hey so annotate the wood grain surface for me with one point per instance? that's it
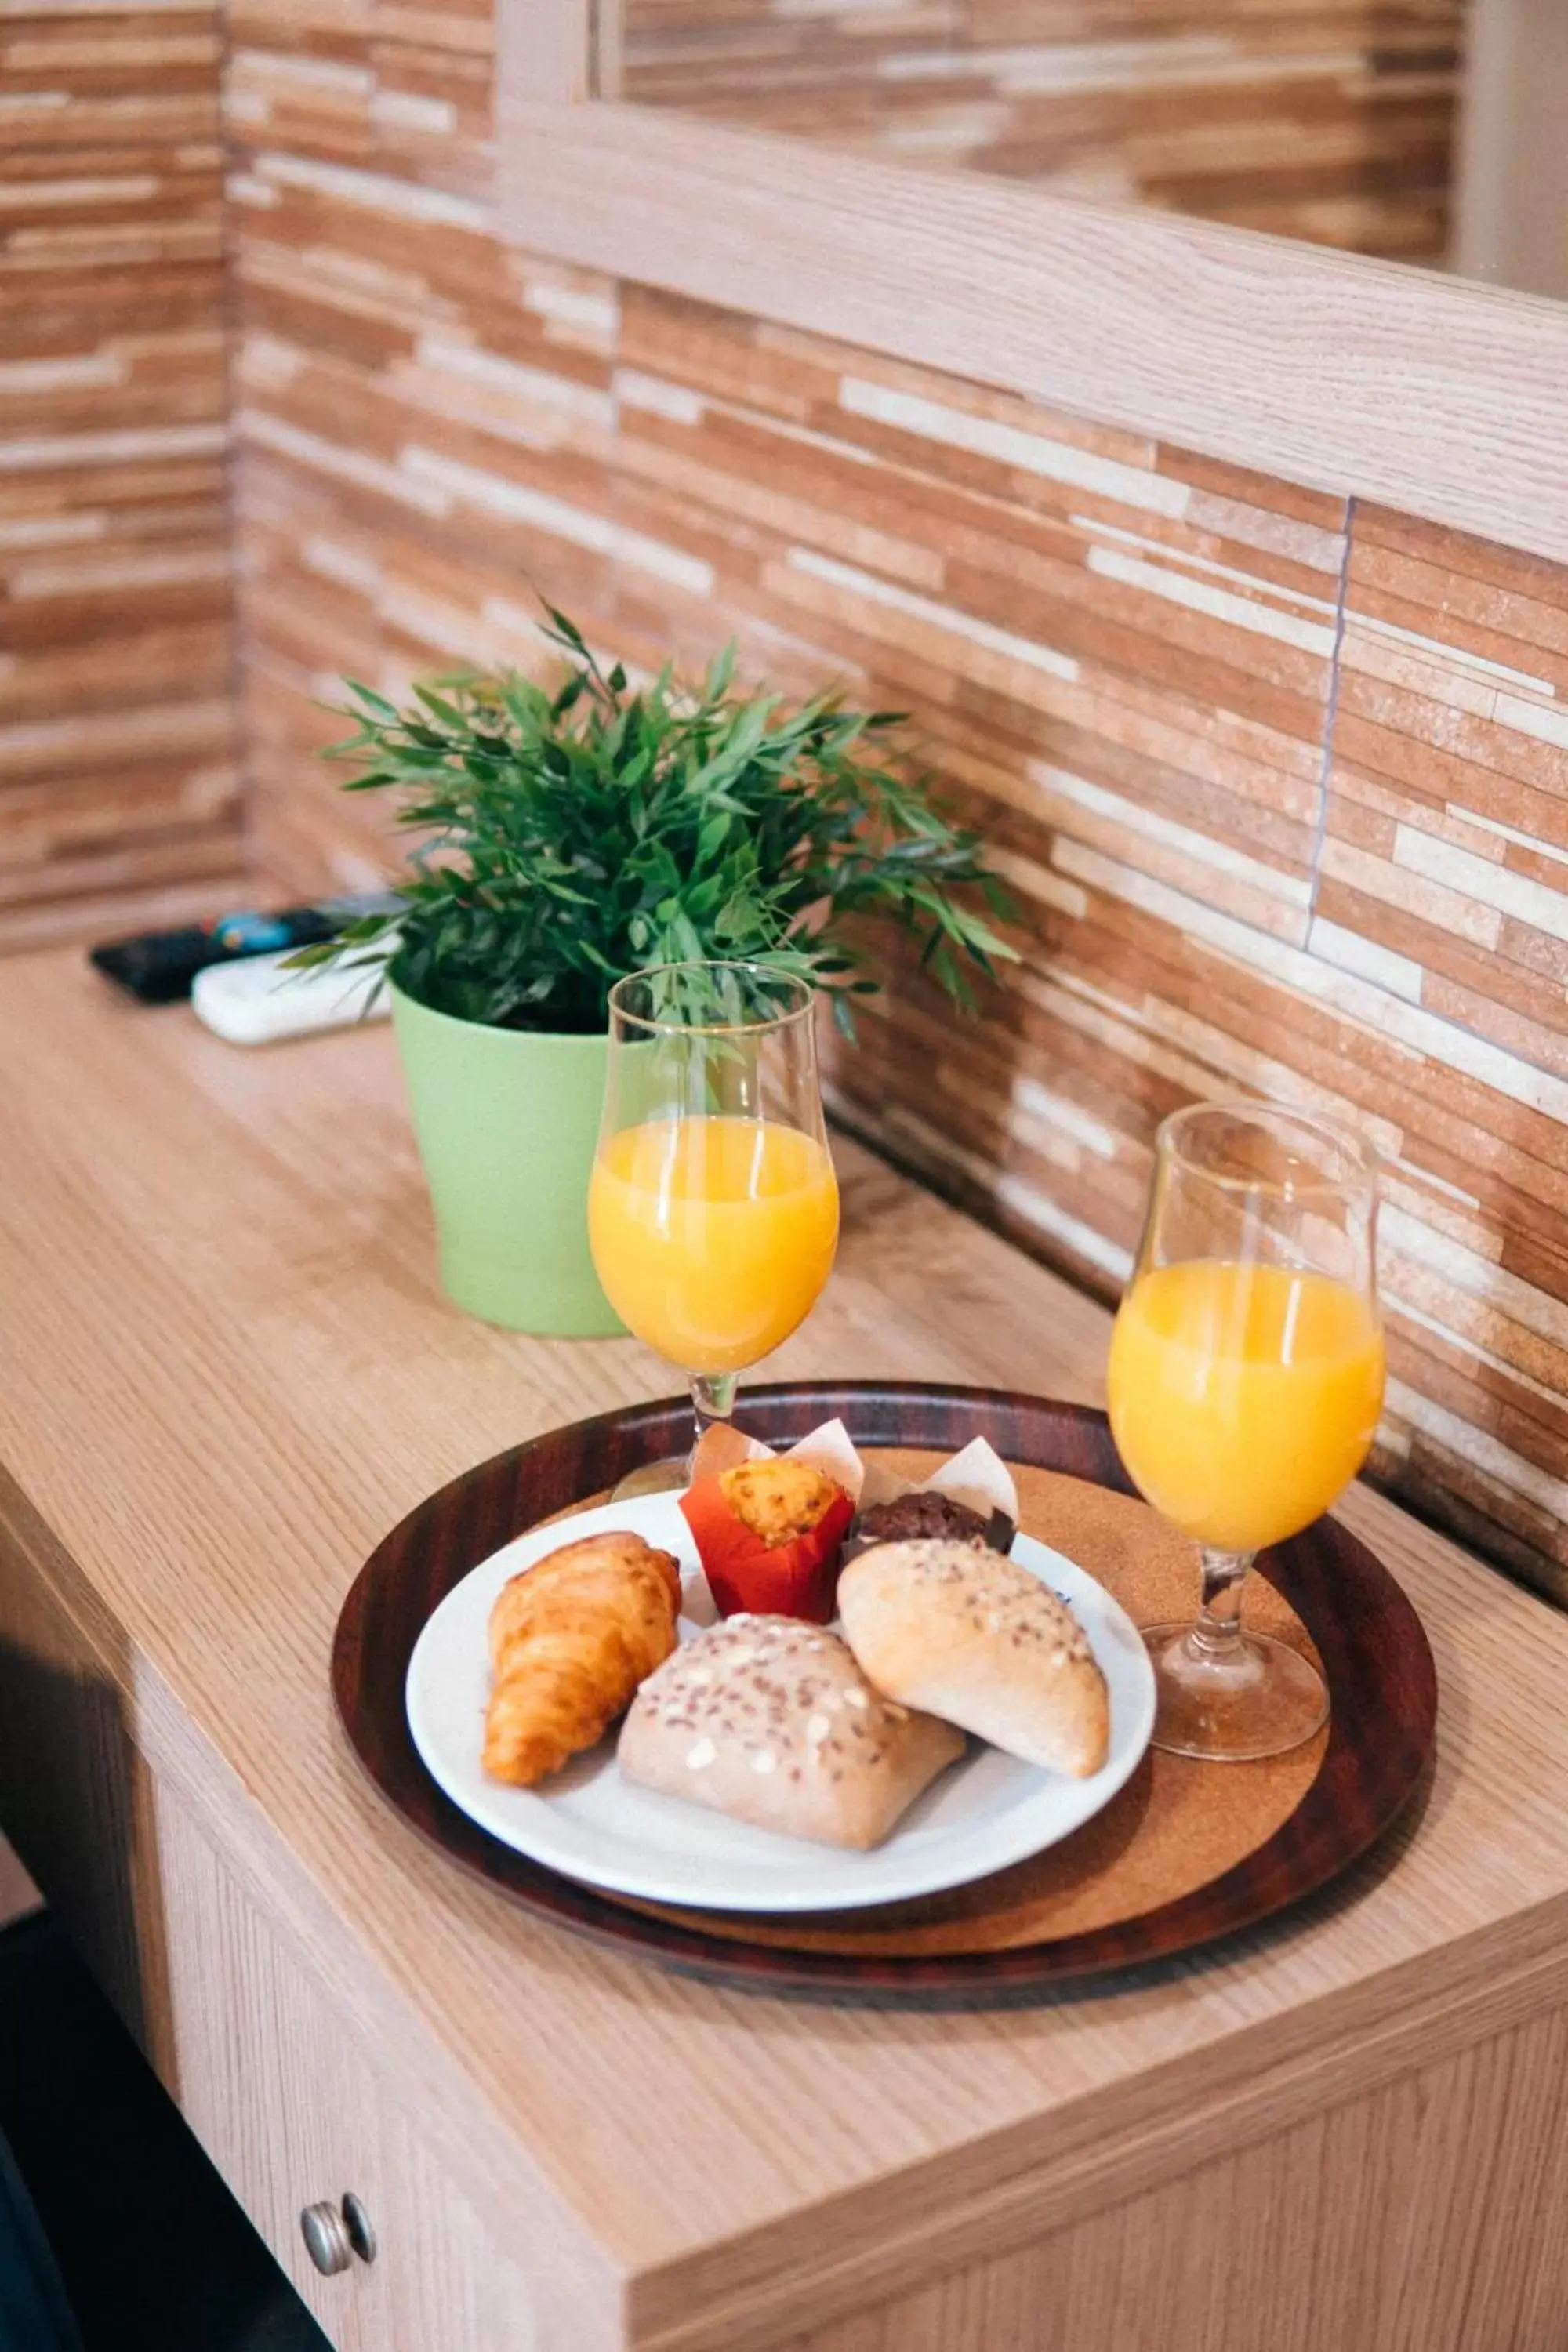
(1342, 373)
(1183, 1854)
(1388, 2225)
(293, 2114)
(226, 1371)
(120, 784)
(1338, 131)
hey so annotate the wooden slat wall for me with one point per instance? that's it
(1329, 119)
(119, 789)
(1282, 783)
(423, 418)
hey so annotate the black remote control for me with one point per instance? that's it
(158, 967)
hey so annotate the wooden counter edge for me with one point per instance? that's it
(889, 2238)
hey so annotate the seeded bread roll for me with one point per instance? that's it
(772, 1721)
(976, 1639)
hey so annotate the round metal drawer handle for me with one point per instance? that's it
(357, 2222)
(326, 2239)
(334, 2235)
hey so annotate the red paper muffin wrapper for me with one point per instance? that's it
(799, 1579)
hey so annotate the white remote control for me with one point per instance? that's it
(255, 1002)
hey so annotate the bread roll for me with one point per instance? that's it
(772, 1721)
(977, 1640)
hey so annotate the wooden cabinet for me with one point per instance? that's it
(1414, 2246)
(275, 2084)
(274, 2079)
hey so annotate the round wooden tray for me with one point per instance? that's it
(1184, 1854)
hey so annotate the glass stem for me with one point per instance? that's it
(712, 1398)
(1217, 1637)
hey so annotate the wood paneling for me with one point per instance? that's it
(1278, 783)
(119, 785)
(1350, 373)
(273, 2080)
(1332, 122)
(1122, 658)
(1280, 787)
(424, 418)
(1417, 2247)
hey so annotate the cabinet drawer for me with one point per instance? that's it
(293, 2114)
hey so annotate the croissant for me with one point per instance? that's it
(570, 1639)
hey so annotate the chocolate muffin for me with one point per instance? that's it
(913, 1517)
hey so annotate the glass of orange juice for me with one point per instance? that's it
(1245, 1382)
(714, 1207)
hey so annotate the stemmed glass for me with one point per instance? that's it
(1245, 1381)
(714, 1207)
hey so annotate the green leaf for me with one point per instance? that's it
(565, 834)
(711, 840)
(368, 694)
(443, 709)
(567, 629)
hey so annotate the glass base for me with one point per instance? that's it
(1256, 1698)
(668, 1475)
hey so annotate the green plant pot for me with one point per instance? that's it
(506, 1121)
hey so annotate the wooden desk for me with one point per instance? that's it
(228, 1371)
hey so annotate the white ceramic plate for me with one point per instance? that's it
(980, 1815)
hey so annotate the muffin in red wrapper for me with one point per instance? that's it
(769, 1534)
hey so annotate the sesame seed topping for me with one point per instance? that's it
(983, 1592)
(779, 1697)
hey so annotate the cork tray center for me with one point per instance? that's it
(1174, 1827)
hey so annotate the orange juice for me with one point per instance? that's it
(712, 1236)
(1243, 1398)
